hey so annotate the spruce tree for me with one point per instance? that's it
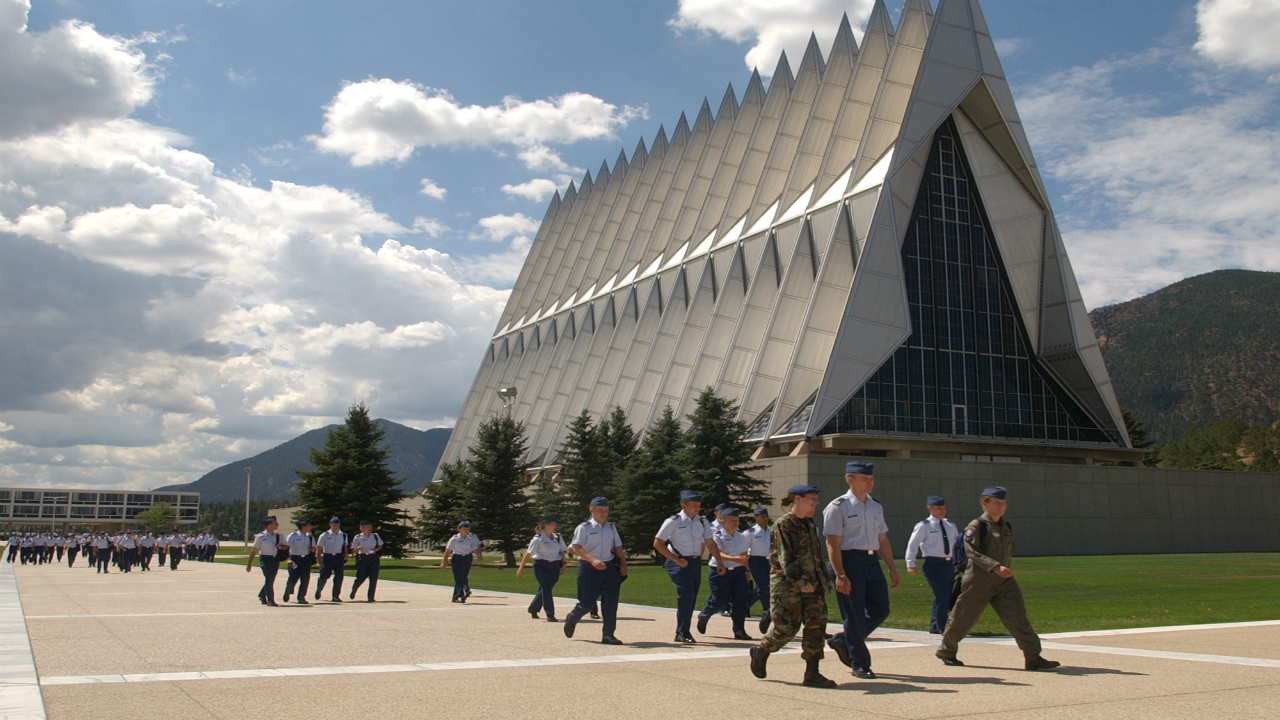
(648, 490)
(551, 497)
(494, 493)
(619, 439)
(438, 520)
(717, 457)
(586, 466)
(352, 481)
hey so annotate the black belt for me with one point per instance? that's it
(299, 557)
(332, 554)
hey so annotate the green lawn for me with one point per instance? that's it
(1063, 593)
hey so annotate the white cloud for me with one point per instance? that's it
(375, 121)
(500, 227)
(431, 189)
(1007, 47)
(537, 189)
(772, 26)
(70, 72)
(1240, 32)
(431, 227)
(540, 157)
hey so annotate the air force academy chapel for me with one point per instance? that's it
(862, 255)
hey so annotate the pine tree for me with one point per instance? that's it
(718, 458)
(619, 438)
(438, 520)
(551, 497)
(648, 490)
(586, 468)
(352, 481)
(1136, 428)
(494, 492)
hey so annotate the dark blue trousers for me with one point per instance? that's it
(688, 581)
(299, 575)
(866, 605)
(727, 591)
(331, 564)
(270, 566)
(759, 567)
(367, 567)
(603, 585)
(940, 574)
(461, 565)
(547, 573)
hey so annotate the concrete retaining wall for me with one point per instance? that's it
(1068, 509)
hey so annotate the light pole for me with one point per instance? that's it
(248, 480)
(508, 395)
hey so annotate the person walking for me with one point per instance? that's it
(989, 581)
(459, 552)
(727, 575)
(102, 551)
(547, 549)
(301, 556)
(798, 586)
(267, 545)
(857, 541)
(366, 547)
(146, 549)
(331, 551)
(758, 562)
(73, 549)
(602, 565)
(176, 546)
(680, 541)
(936, 538)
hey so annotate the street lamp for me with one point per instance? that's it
(248, 480)
(508, 395)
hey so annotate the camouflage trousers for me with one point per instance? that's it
(789, 612)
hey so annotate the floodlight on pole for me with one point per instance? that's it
(508, 395)
(248, 480)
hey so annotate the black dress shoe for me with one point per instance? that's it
(551, 619)
(271, 604)
(286, 597)
(742, 636)
(533, 615)
(1039, 663)
(595, 616)
(303, 601)
(337, 599)
(841, 651)
(864, 673)
(610, 640)
(317, 595)
(569, 626)
(952, 662)
(702, 625)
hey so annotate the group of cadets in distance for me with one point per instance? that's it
(126, 550)
(301, 550)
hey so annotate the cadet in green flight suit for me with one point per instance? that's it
(988, 541)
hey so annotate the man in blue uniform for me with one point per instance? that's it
(331, 551)
(601, 567)
(937, 539)
(366, 547)
(300, 558)
(727, 575)
(267, 544)
(680, 541)
(758, 562)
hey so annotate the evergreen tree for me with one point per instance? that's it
(494, 494)
(718, 458)
(1137, 429)
(586, 465)
(551, 497)
(648, 490)
(352, 481)
(438, 520)
(1212, 447)
(619, 439)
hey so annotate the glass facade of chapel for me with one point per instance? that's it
(967, 368)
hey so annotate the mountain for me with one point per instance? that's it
(414, 456)
(1198, 351)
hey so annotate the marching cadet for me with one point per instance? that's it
(680, 541)
(73, 549)
(39, 543)
(331, 550)
(268, 545)
(547, 549)
(300, 558)
(146, 549)
(988, 580)
(727, 575)
(935, 537)
(601, 567)
(162, 549)
(459, 551)
(15, 543)
(758, 562)
(102, 551)
(857, 541)
(366, 547)
(798, 585)
(60, 545)
(176, 543)
(212, 548)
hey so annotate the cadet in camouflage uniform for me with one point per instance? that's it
(798, 586)
(988, 541)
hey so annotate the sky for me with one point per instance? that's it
(224, 222)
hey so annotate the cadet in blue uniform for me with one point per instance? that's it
(331, 551)
(300, 558)
(727, 575)
(601, 567)
(758, 563)
(681, 540)
(936, 538)
(267, 544)
(857, 541)
(459, 552)
(366, 547)
(547, 550)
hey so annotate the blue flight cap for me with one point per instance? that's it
(548, 518)
(690, 496)
(335, 519)
(721, 506)
(935, 500)
(268, 519)
(365, 522)
(760, 511)
(601, 501)
(995, 491)
(730, 512)
(303, 523)
(860, 467)
(803, 490)
(464, 523)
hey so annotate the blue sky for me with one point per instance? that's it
(221, 223)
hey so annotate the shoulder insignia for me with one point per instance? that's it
(969, 532)
(839, 501)
(674, 517)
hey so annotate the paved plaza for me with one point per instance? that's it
(196, 644)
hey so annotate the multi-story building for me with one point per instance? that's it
(96, 509)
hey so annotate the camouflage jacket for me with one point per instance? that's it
(796, 556)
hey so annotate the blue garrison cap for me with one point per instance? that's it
(730, 512)
(464, 523)
(760, 511)
(803, 490)
(601, 501)
(268, 519)
(690, 496)
(365, 522)
(860, 467)
(548, 518)
(721, 506)
(303, 522)
(995, 491)
(335, 519)
(935, 500)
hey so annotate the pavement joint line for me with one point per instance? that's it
(1161, 629)
(1158, 654)
(316, 610)
(20, 694)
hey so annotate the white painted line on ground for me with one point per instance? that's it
(19, 689)
(1164, 654)
(1162, 629)
(316, 609)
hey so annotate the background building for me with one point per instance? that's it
(65, 509)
